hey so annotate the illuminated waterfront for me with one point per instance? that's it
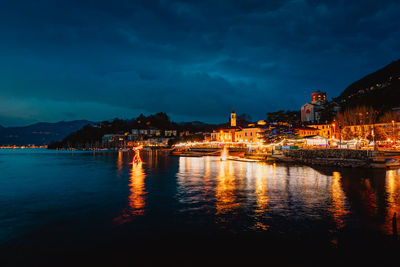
(69, 202)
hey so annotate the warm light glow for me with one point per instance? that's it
(119, 161)
(393, 198)
(224, 154)
(338, 207)
(225, 190)
(136, 199)
(137, 159)
(261, 195)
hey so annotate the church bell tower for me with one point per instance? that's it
(233, 118)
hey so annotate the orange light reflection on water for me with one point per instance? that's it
(119, 162)
(225, 189)
(137, 197)
(338, 207)
(393, 199)
(261, 195)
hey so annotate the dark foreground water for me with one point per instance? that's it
(91, 209)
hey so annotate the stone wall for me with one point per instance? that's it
(328, 153)
(333, 157)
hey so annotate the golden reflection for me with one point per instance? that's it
(338, 206)
(225, 189)
(119, 162)
(136, 199)
(393, 198)
(261, 195)
(187, 164)
(207, 176)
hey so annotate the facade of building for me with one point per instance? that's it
(318, 96)
(116, 140)
(307, 113)
(224, 135)
(170, 133)
(311, 112)
(325, 130)
(251, 135)
(306, 131)
(233, 133)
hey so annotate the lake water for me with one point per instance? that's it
(76, 208)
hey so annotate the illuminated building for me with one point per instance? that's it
(234, 133)
(250, 134)
(223, 135)
(311, 112)
(306, 131)
(318, 96)
(233, 118)
(226, 134)
(170, 133)
(325, 130)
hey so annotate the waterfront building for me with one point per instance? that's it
(169, 133)
(143, 131)
(184, 133)
(224, 135)
(154, 131)
(252, 133)
(325, 130)
(150, 131)
(311, 112)
(115, 140)
(155, 142)
(306, 131)
(249, 134)
(213, 136)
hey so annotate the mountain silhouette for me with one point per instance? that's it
(40, 133)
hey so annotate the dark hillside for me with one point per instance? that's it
(380, 90)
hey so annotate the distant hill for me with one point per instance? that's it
(380, 89)
(39, 133)
(196, 126)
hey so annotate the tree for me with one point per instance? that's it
(279, 132)
(390, 116)
(243, 119)
(357, 116)
(292, 117)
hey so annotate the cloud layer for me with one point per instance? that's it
(194, 60)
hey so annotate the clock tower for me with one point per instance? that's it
(233, 118)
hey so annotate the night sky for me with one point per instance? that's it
(195, 60)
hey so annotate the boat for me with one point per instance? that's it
(242, 159)
(391, 162)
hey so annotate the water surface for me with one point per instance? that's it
(79, 203)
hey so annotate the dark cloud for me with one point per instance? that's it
(193, 59)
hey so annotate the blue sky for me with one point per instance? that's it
(195, 60)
